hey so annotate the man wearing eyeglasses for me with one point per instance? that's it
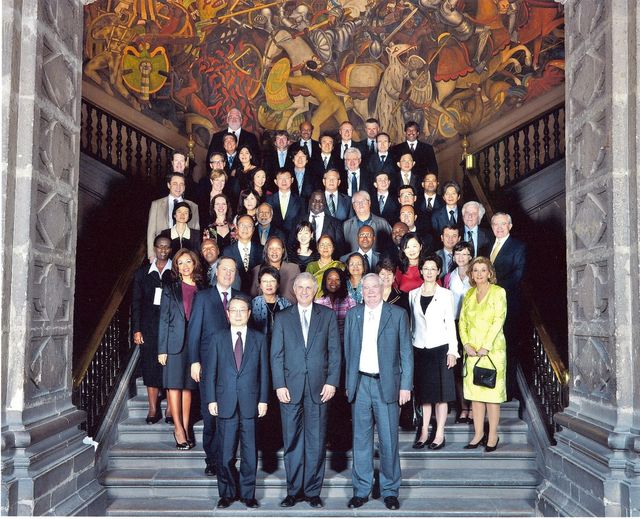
(246, 252)
(472, 213)
(361, 202)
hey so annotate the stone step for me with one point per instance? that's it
(416, 482)
(132, 430)
(410, 507)
(508, 456)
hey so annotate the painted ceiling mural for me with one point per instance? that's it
(451, 65)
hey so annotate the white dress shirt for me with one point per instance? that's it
(349, 177)
(154, 267)
(459, 288)
(170, 209)
(369, 350)
(319, 223)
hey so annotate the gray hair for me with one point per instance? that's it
(363, 194)
(372, 275)
(305, 276)
(502, 214)
(479, 206)
(352, 151)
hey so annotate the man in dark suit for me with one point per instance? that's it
(406, 174)
(324, 223)
(246, 252)
(236, 380)
(288, 208)
(354, 178)
(264, 227)
(450, 213)
(392, 252)
(423, 154)
(345, 140)
(303, 181)
(243, 137)
(379, 377)
(208, 318)
(449, 237)
(508, 256)
(383, 202)
(305, 366)
(369, 145)
(328, 158)
(230, 147)
(429, 200)
(338, 204)
(366, 241)
(382, 159)
(278, 158)
(305, 141)
(479, 238)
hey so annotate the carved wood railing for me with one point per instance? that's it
(529, 148)
(121, 146)
(107, 353)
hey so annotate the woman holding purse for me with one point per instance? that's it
(484, 309)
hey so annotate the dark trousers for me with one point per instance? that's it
(229, 433)
(208, 430)
(304, 431)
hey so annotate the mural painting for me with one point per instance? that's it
(451, 65)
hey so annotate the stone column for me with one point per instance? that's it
(594, 468)
(46, 468)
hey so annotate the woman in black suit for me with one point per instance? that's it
(386, 269)
(181, 235)
(173, 353)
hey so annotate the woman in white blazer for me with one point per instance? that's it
(435, 350)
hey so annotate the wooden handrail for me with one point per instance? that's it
(113, 302)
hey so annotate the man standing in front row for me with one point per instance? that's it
(379, 377)
(305, 367)
(236, 381)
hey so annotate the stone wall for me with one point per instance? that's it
(46, 468)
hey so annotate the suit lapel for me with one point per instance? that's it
(177, 292)
(384, 318)
(248, 348)
(297, 325)
(313, 325)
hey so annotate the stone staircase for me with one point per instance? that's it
(147, 476)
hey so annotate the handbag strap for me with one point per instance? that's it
(494, 366)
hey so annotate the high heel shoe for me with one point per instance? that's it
(483, 441)
(180, 446)
(168, 419)
(433, 446)
(151, 419)
(191, 442)
(489, 448)
(463, 419)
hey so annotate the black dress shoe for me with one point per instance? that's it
(289, 501)
(168, 419)
(391, 502)
(489, 448)
(210, 470)
(470, 445)
(419, 445)
(225, 502)
(437, 446)
(251, 503)
(154, 419)
(357, 502)
(315, 502)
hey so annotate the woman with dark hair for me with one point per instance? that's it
(274, 254)
(386, 270)
(221, 229)
(303, 247)
(336, 296)
(482, 317)
(258, 182)
(435, 351)
(181, 235)
(207, 191)
(457, 280)
(408, 273)
(248, 203)
(355, 271)
(265, 306)
(173, 353)
(241, 174)
(326, 249)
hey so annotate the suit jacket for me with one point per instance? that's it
(295, 212)
(144, 314)
(344, 209)
(334, 162)
(415, 181)
(380, 226)
(315, 148)
(255, 257)
(158, 218)
(423, 155)
(246, 139)
(391, 210)
(442, 254)
(332, 227)
(207, 319)
(234, 388)
(273, 231)
(292, 364)
(437, 325)
(172, 329)
(484, 238)
(271, 163)
(509, 264)
(309, 185)
(440, 219)
(373, 165)
(365, 183)
(395, 353)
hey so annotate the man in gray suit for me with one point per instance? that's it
(379, 377)
(363, 216)
(305, 367)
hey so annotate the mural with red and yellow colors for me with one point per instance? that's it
(451, 65)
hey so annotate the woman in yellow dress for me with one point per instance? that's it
(481, 321)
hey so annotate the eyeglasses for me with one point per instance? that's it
(238, 310)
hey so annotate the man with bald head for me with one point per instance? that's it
(323, 223)
(244, 137)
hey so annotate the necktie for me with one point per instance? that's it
(230, 160)
(495, 250)
(405, 179)
(314, 222)
(245, 257)
(449, 260)
(367, 263)
(305, 326)
(354, 183)
(429, 204)
(237, 350)
(225, 301)
(332, 205)
(346, 147)
(326, 161)
(470, 240)
(281, 158)
(382, 158)
(308, 147)
(452, 219)
(413, 147)
(284, 201)
(263, 237)
(381, 203)
(372, 147)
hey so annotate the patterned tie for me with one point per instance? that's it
(281, 158)
(314, 223)
(326, 161)
(381, 203)
(452, 219)
(470, 240)
(354, 183)
(429, 204)
(367, 263)
(495, 250)
(305, 327)
(372, 147)
(237, 351)
(382, 159)
(225, 301)
(405, 179)
(230, 160)
(346, 147)
(332, 205)
(245, 257)
(413, 147)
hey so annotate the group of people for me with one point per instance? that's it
(305, 281)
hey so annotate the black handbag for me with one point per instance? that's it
(485, 377)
